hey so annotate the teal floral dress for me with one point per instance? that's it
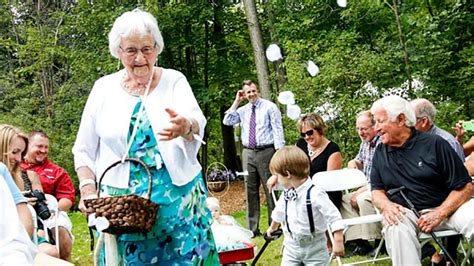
(181, 234)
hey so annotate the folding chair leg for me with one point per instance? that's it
(467, 253)
(377, 251)
(56, 232)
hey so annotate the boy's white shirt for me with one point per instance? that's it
(324, 211)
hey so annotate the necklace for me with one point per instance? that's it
(140, 89)
(318, 150)
(312, 152)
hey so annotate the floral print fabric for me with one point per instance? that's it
(181, 234)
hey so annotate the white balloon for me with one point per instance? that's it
(342, 3)
(286, 97)
(313, 69)
(293, 111)
(273, 52)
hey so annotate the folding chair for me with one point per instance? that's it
(35, 223)
(54, 209)
(425, 238)
(343, 180)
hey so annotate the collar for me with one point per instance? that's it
(28, 164)
(374, 141)
(301, 190)
(257, 103)
(409, 143)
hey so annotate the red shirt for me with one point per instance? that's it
(54, 179)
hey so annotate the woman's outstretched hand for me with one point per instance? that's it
(179, 126)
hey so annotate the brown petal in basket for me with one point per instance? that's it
(125, 213)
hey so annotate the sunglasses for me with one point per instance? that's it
(307, 133)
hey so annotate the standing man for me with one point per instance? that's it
(359, 202)
(262, 134)
(434, 177)
(55, 181)
(425, 114)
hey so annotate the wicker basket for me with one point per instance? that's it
(217, 186)
(125, 213)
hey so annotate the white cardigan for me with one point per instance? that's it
(102, 136)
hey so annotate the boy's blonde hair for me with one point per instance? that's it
(292, 160)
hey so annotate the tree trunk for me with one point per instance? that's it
(278, 66)
(230, 152)
(228, 142)
(206, 106)
(258, 48)
(401, 36)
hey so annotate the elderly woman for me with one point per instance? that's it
(324, 154)
(149, 113)
(13, 147)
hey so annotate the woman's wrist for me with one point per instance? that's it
(190, 130)
(90, 182)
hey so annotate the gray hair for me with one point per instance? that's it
(135, 21)
(424, 108)
(367, 114)
(395, 105)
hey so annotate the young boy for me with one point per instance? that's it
(304, 221)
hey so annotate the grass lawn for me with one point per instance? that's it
(271, 256)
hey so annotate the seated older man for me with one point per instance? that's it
(435, 179)
(359, 202)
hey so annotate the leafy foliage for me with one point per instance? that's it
(52, 52)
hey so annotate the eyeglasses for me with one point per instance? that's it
(362, 129)
(307, 133)
(132, 51)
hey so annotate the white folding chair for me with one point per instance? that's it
(54, 210)
(343, 180)
(425, 238)
(35, 223)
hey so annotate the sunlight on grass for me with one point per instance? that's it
(82, 255)
(81, 252)
(272, 254)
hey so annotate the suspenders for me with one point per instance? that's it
(309, 209)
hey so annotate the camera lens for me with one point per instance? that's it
(41, 208)
(42, 211)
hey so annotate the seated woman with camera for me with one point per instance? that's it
(13, 146)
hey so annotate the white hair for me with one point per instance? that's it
(213, 203)
(424, 108)
(395, 105)
(135, 21)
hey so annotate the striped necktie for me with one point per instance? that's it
(252, 129)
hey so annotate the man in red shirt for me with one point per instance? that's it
(55, 181)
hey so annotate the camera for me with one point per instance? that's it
(468, 125)
(40, 207)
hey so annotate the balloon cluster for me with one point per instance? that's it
(273, 53)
